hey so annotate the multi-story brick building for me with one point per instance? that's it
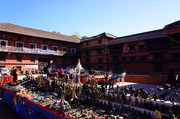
(172, 31)
(94, 51)
(35, 49)
(147, 52)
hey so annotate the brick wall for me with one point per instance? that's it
(147, 79)
(11, 58)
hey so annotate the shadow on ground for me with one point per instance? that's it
(7, 112)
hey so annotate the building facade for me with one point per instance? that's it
(150, 52)
(32, 49)
(172, 31)
(94, 51)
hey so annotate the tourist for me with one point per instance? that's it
(60, 72)
(71, 71)
(178, 81)
(123, 74)
(172, 78)
(46, 83)
(12, 70)
(48, 72)
(106, 79)
(36, 71)
(91, 71)
(15, 74)
(27, 72)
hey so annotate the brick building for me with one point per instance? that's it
(148, 52)
(29, 48)
(172, 31)
(94, 51)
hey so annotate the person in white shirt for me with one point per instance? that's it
(123, 74)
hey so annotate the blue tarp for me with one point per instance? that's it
(114, 78)
(25, 108)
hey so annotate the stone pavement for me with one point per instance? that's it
(147, 87)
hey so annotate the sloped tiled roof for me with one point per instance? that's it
(138, 37)
(12, 28)
(102, 35)
(173, 25)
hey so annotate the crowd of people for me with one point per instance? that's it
(173, 79)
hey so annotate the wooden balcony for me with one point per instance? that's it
(12, 49)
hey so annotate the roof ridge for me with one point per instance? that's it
(94, 37)
(173, 24)
(138, 37)
(9, 27)
(35, 29)
(139, 33)
(110, 34)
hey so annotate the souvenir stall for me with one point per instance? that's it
(6, 79)
(64, 98)
(27, 108)
(30, 101)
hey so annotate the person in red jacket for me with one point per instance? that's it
(46, 83)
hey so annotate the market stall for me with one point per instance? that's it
(66, 98)
(6, 79)
(27, 108)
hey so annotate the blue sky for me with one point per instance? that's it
(91, 17)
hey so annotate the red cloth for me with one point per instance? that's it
(61, 71)
(83, 80)
(5, 80)
(46, 82)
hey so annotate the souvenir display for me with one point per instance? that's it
(89, 100)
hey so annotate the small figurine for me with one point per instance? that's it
(132, 90)
(155, 96)
(136, 103)
(157, 114)
(128, 100)
(143, 93)
(137, 93)
(144, 104)
(149, 96)
(126, 90)
(141, 103)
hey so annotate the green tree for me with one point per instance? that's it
(76, 35)
(84, 37)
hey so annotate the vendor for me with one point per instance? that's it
(48, 72)
(172, 78)
(106, 79)
(46, 83)
(60, 72)
(123, 74)
(14, 73)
